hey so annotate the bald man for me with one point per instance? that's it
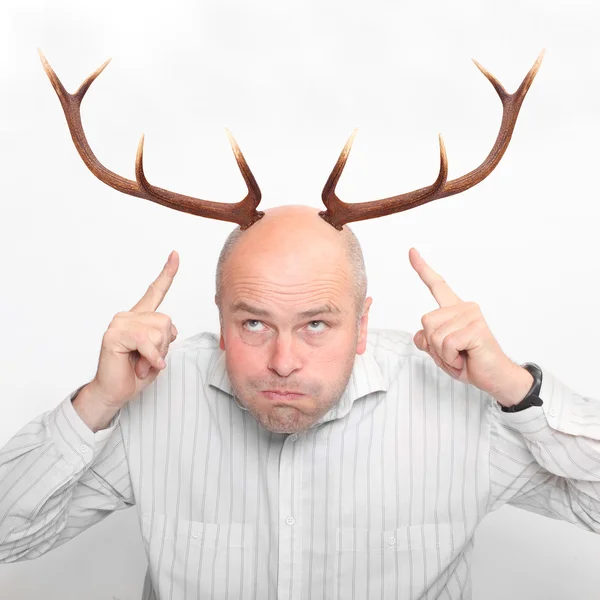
(299, 455)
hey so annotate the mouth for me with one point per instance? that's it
(281, 395)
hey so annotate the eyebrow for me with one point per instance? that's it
(242, 306)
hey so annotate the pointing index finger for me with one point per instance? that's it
(158, 289)
(440, 290)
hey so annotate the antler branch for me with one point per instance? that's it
(338, 212)
(244, 212)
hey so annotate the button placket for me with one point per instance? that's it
(290, 534)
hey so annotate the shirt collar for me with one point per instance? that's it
(366, 378)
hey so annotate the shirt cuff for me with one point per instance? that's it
(562, 410)
(76, 441)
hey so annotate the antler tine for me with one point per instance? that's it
(253, 189)
(338, 213)
(330, 185)
(511, 104)
(71, 104)
(244, 212)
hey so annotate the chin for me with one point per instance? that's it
(291, 421)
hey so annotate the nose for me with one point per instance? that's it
(284, 358)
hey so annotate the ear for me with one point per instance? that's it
(222, 339)
(361, 345)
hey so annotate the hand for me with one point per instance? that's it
(458, 339)
(135, 344)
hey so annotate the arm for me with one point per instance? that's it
(58, 477)
(68, 469)
(546, 459)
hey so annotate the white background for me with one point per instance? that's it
(291, 81)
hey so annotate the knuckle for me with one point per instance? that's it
(110, 335)
(117, 332)
(448, 344)
(140, 336)
(161, 320)
(479, 325)
(154, 335)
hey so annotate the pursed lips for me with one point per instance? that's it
(281, 394)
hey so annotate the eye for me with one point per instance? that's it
(317, 323)
(249, 325)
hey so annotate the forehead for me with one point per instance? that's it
(287, 281)
(294, 263)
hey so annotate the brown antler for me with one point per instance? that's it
(244, 212)
(338, 212)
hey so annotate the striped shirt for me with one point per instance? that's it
(380, 499)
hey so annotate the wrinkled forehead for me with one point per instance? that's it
(289, 278)
(297, 269)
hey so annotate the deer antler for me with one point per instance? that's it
(244, 212)
(338, 212)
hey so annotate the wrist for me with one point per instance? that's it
(92, 410)
(518, 384)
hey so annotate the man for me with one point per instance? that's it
(298, 454)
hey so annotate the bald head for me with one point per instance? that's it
(294, 239)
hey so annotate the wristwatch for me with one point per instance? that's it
(532, 398)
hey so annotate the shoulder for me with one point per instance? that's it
(398, 356)
(200, 349)
(393, 341)
(392, 350)
(205, 340)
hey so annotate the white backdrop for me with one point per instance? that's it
(291, 81)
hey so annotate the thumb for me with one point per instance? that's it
(420, 341)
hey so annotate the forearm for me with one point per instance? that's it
(92, 410)
(557, 472)
(564, 433)
(40, 468)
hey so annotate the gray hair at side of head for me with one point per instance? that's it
(355, 256)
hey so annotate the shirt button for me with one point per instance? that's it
(195, 534)
(391, 541)
(83, 448)
(290, 520)
(553, 412)
(293, 437)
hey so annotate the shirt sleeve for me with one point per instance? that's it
(57, 478)
(546, 459)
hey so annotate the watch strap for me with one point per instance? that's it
(532, 398)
